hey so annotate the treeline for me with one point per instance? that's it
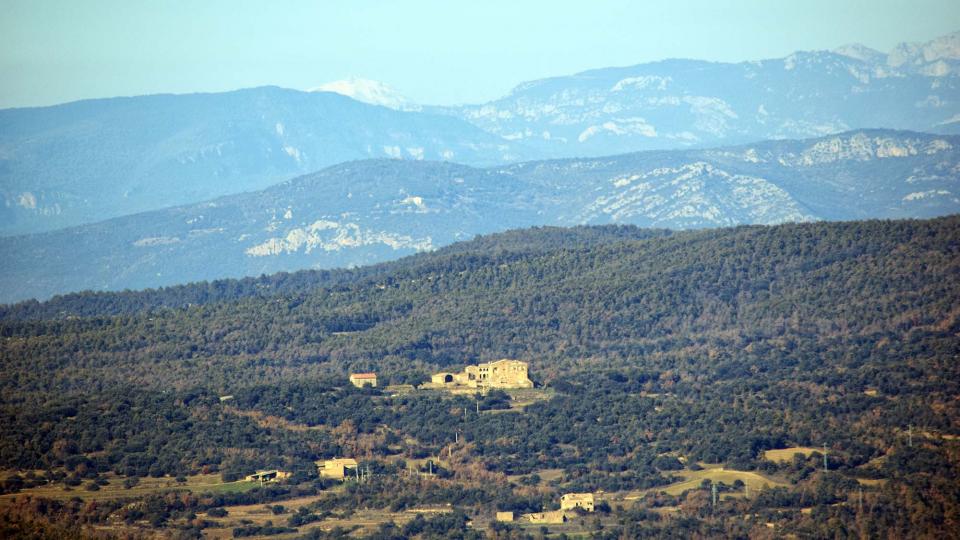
(105, 304)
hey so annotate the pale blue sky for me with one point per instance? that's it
(440, 52)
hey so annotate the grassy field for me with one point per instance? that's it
(204, 483)
(399, 389)
(255, 514)
(521, 398)
(524, 397)
(366, 521)
(716, 474)
(872, 482)
(786, 454)
(575, 527)
(546, 475)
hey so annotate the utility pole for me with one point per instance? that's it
(910, 435)
(825, 467)
(713, 490)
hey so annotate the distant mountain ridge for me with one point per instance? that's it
(364, 212)
(937, 57)
(691, 103)
(91, 160)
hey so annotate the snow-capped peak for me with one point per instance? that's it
(367, 91)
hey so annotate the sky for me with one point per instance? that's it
(433, 52)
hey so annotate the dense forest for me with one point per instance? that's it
(654, 354)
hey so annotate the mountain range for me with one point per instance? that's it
(92, 160)
(368, 211)
(677, 103)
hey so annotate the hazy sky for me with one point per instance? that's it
(441, 51)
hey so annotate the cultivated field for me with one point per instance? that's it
(203, 483)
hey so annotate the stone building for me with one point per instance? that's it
(363, 379)
(504, 373)
(554, 517)
(505, 517)
(337, 468)
(571, 501)
(267, 476)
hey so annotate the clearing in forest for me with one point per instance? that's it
(783, 455)
(716, 473)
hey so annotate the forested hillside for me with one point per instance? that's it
(365, 212)
(655, 355)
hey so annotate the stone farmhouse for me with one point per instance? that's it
(572, 501)
(337, 468)
(569, 503)
(504, 373)
(363, 379)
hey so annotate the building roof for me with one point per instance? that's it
(577, 497)
(363, 375)
(505, 361)
(344, 462)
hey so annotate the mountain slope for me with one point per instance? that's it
(91, 160)
(369, 211)
(855, 175)
(690, 103)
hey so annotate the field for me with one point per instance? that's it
(715, 473)
(520, 398)
(577, 527)
(365, 521)
(254, 514)
(524, 397)
(786, 454)
(203, 483)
